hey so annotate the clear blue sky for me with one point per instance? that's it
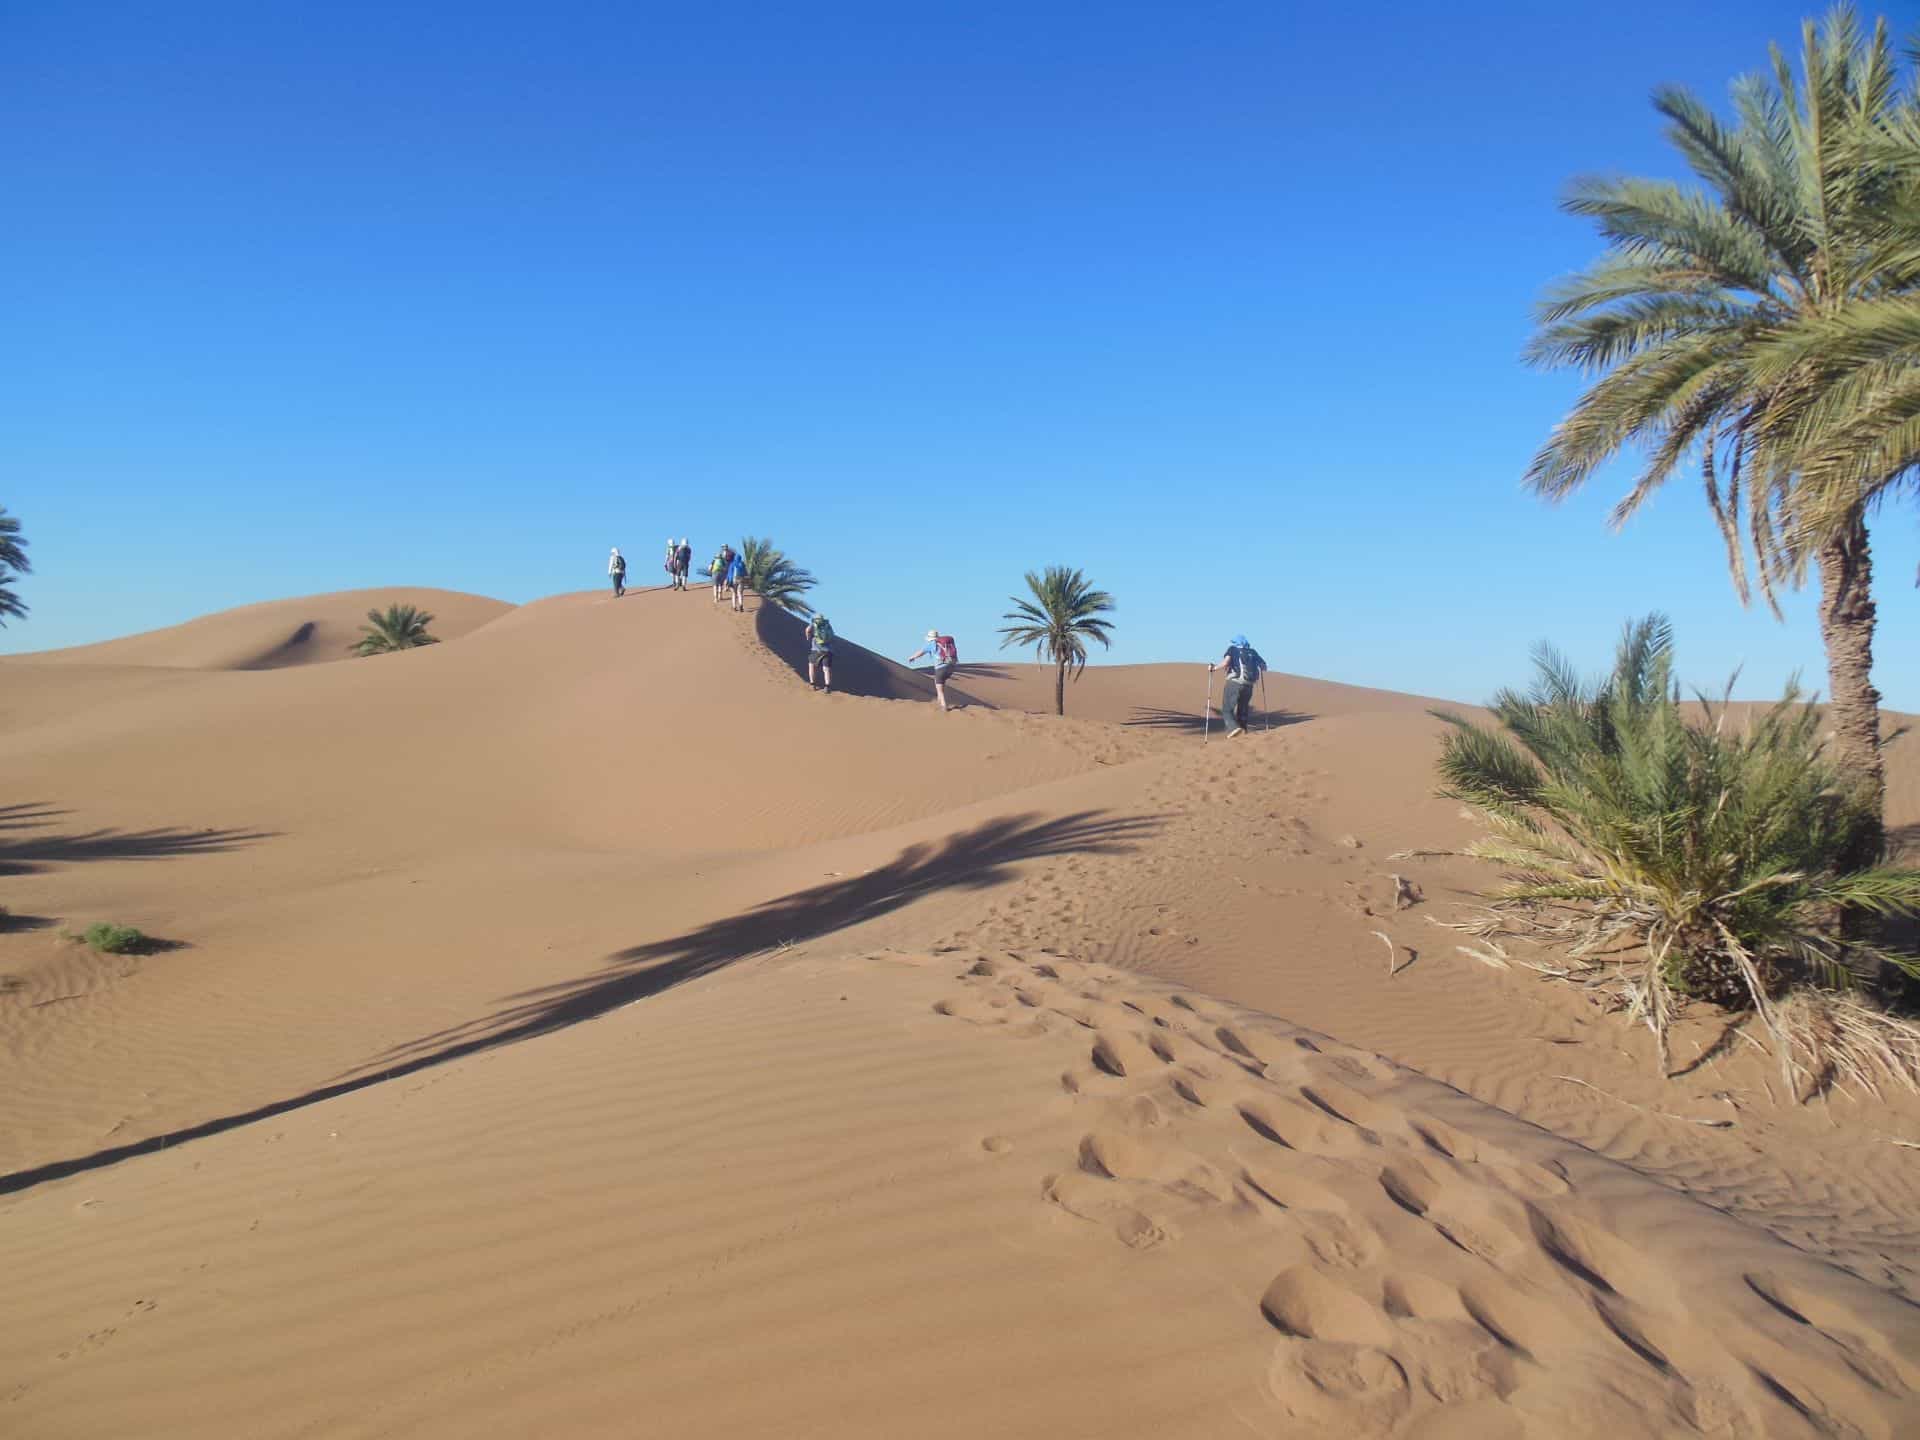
(1222, 302)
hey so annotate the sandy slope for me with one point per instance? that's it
(570, 1036)
(309, 630)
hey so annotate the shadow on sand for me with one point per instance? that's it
(29, 854)
(972, 860)
(1191, 720)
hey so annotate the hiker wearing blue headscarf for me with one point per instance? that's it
(1244, 667)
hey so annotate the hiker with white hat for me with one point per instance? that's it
(945, 655)
(617, 572)
(1244, 667)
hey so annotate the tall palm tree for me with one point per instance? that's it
(13, 563)
(1702, 318)
(773, 576)
(399, 627)
(1058, 621)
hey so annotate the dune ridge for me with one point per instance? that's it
(581, 1020)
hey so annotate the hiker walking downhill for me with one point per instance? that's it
(945, 655)
(1244, 667)
(820, 651)
(617, 572)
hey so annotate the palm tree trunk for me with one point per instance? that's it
(1846, 629)
(1060, 688)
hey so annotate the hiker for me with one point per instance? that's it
(736, 576)
(1244, 667)
(718, 570)
(945, 655)
(820, 651)
(617, 571)
(682, 564)
(672, 565)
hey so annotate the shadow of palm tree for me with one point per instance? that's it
(974, 860)
(27, 815)
(31, 855)
(1157, 719)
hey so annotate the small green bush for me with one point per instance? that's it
(114, 939)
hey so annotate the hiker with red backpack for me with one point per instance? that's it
(945, 655)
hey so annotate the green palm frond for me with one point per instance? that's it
(13, 564)
(398, 627)
(1743, 317)
(774, 577)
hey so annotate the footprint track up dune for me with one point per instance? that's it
(1422, 1277)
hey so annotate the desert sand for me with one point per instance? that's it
(579, 1027)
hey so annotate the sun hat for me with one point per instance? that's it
(1240, 640)
(933, 634)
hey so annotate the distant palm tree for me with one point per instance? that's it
(772, 576)
(401, 627)
(1762, 325)
(1058, 621)
(13, 563)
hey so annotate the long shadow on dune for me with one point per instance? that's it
(974, 860)
(33, 854)
(1151, 718)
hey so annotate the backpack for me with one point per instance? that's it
(619, 564)
(945, 652)
(820, 632)
(1246, 664)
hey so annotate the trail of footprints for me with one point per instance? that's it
(1417, 1276)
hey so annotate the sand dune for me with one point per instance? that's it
(580, 1026)
(310, 630)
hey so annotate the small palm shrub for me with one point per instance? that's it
(1681, 855)
(398, 627)
(773, 576)
(114, 939)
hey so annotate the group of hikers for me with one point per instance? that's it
(728, 571)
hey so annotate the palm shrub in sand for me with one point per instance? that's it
(398, 627)
(1062, 615)
(1684, 854)
(773, 576)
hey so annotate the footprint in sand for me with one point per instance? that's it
(1521, 1176)
(1464, 1215)
(1372, 1118)
(1118, 1155)
(1603, 1260)
(1871, 1354)
(1300, 1127)
(1336, 1237)
(1093, 1199)
(1122, 1054)
(1339, 1388)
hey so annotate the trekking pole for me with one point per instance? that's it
(1266, 710)
(1206, 711)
